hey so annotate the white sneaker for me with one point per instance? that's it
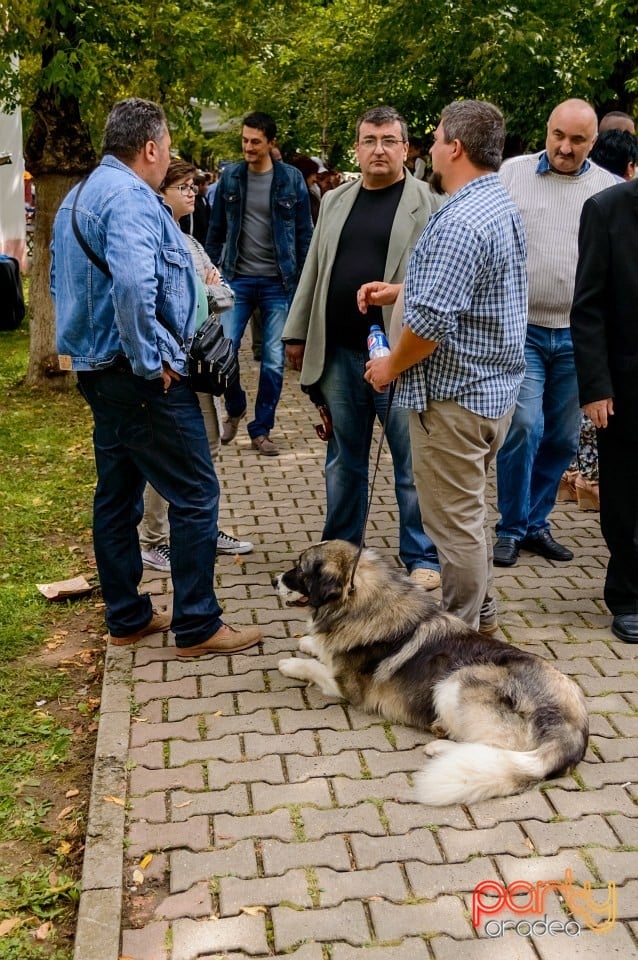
(228, 544)
(158, 558)
(425, 577)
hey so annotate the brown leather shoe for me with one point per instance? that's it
(226, 640)
(230, 427)
(159, 622)
(264, 445)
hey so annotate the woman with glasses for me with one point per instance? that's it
(215, 296)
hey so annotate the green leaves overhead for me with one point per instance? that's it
(316, 64)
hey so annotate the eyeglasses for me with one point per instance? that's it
(387, 143)
(187, 188)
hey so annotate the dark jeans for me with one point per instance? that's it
(354, 406)
(543, 436)
(143, 434)
(273, 301)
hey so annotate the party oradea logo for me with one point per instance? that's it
(490, 897)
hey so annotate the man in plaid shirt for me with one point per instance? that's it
(461, 349)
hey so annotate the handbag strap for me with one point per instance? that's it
(102, 265)
(91, 254)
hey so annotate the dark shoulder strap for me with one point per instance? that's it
(91, 254)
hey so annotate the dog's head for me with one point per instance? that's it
(321, 576)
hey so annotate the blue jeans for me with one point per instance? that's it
(143, 434)
(543, 437)
(268, 294)
(354, 406)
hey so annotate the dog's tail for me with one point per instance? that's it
(470, 772)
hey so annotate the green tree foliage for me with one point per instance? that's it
(314, 64)
(317, 64)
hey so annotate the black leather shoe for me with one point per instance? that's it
(544, 545)
(625, 627)
(506, 552)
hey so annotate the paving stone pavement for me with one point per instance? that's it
(236, 813)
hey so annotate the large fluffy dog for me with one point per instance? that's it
(511, 718)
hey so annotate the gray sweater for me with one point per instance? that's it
(551, 204)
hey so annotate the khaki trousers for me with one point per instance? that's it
(452, 449)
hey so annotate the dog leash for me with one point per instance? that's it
(374, 477)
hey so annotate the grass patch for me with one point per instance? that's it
(47, 721)
(45, 495)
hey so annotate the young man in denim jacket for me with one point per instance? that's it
(261, 221)
(133, 373)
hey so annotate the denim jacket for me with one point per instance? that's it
(291, 220)
(99, 318)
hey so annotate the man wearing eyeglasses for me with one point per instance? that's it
(365, 229)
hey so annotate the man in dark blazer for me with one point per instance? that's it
(604, 325)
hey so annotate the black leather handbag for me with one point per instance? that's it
(212, 364)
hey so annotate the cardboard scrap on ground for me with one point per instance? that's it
(62, 589)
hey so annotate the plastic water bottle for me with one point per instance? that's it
(378, 345)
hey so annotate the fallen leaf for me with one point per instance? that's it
(218, 713)
(117, 800)
(6, 926)
(138, 877)
(186, 803)
(64, 813)
(144, 862)
(528, 843)
(43, 930)
(54, 644)
(252, 911)
(374, 899)
(71, 793)
(63, 849)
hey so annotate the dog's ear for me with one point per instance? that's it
(324, 587)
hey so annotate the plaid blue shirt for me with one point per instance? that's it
(466, 289)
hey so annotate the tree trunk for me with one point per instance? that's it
(43, 369)
(58, 152)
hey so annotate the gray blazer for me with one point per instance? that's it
(307, 317)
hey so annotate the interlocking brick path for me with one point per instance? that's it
(280, 822)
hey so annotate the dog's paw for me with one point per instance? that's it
(436, 747)
(308, 644)
(292, 667)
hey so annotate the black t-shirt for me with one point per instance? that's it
(360, 258)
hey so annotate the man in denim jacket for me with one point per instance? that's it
(261, 221)
(133, 374)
